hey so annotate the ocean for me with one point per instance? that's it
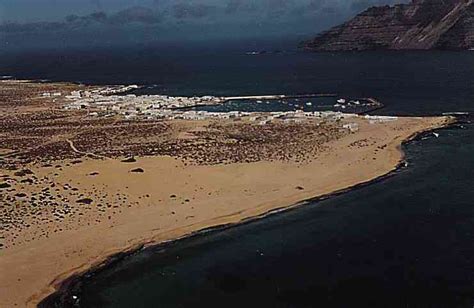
(404, 241)
(406, 82)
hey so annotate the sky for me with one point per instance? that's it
(65, 21)
(36, 10)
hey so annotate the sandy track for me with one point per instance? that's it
(73, 147)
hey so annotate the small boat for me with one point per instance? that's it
(436, 135)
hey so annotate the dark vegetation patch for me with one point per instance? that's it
(85, 201)
(5, 185)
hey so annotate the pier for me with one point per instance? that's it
(280, 96)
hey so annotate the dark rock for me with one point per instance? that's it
(137, 170)
(129, 160)
(422, 24)
(4, 185)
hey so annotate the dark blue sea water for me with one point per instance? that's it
(407, 82)
(406, 241)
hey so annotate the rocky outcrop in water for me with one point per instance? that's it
(422, 24)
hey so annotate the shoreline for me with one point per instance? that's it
(68, 287)
(68, 215)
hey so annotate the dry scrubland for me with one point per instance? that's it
(75, 189)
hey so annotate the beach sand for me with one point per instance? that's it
(119, 206)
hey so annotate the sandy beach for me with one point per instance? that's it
(92, 202)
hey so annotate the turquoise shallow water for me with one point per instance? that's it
(406, 241)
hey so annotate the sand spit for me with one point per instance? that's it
(65, 211)
(68, 291)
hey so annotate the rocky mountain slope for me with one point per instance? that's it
(421, 24)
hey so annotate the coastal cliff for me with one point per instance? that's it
(421, 24)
